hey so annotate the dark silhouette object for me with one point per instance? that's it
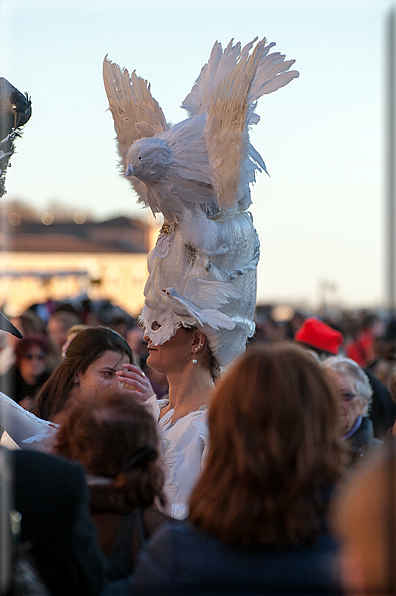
(51, 495)
(15, 111)
(51, 539)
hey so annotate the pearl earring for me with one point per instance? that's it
(194, 361)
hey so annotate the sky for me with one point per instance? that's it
(321, 213)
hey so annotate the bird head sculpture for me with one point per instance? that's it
(148, 159)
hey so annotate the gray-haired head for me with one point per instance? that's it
(346, 366)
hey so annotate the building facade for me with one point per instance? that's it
(59, 261)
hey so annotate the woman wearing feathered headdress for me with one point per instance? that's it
(201, 291)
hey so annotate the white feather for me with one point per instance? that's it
(205, 293)
(214, 318)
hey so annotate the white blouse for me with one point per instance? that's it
(184, 445)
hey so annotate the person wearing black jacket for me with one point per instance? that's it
(51, 496)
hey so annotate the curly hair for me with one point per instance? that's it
(114, 437)
(274, 451)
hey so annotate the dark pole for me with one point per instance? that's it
(390, 160)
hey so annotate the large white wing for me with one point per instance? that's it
(220, 63)
(232, 110)
(272, 74)
(136, 113)
(226, 128)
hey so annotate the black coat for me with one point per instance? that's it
(13, 384)
(383, 408)
(121, 530)
(51, 495)
(182, 561)
(362, 441)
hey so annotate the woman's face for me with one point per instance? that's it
(352, 405)
(172, 355)
(100, 374)
(32, 365)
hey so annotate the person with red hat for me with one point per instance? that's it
(319, 337)
(325, 341)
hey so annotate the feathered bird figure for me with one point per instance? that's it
(197, 173)
(206, 159)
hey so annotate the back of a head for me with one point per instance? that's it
(59, 323)
(113, 437)
(364, 518)
(31, 323)
(369, 320)
(274, 451)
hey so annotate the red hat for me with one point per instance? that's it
(319, 335)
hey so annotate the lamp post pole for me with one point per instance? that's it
(390, 161)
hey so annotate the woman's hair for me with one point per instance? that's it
(114, 437)
(75, 329)
(24, 345)
(88, 345)
(31, 323)
(274, 450)
(346, 366)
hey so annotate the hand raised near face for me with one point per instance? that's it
(136, 382)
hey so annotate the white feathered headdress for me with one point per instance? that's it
(197, 173)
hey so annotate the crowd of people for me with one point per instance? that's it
(190, 490)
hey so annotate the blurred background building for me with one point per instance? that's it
(61, 254)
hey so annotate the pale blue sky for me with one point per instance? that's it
(319, 216)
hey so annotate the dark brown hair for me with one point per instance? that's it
(274, 450)
(113, 436)
(89, 345)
